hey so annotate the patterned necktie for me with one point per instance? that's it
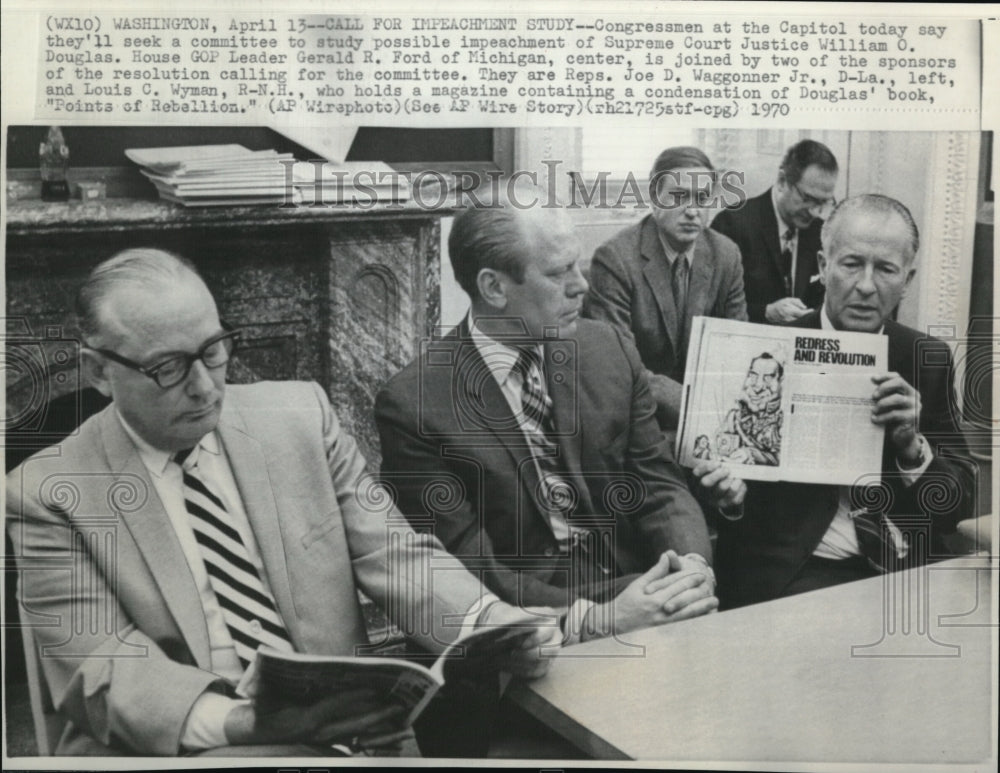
(786, 261)
(247, 607)
(534, 402)
(880, 540)
(680, 287)
(536, 407)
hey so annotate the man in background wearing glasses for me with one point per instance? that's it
(175, 532)
(778, 234)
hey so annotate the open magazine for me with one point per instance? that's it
(781, 403)
(277, 678)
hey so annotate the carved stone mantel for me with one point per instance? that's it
(339, 296)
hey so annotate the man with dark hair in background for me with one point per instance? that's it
(778, 234)
(650, 279)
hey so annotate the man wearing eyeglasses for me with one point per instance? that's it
(177, 531)
(778, 234)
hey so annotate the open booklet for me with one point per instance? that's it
(781, 403)
(277, 678)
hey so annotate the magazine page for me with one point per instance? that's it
(738, 401)
(367, 683)
(778, 403)
(830, 437)
(280, 678)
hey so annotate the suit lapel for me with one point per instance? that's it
(246, 460)
(562, 377)
(157, 541)
(769, 231)
(657, 274)
(488, 409)
(699, 297)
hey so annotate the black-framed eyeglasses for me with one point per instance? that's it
(171, 371)
(812, 202)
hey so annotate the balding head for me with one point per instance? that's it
(122, 282)
(502, 237)
(140, 311)
(867, 261)
(874, 206)
(521, 263)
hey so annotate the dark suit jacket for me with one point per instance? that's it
(754, 228)
(459, 464)
(127, 645)
(783, 523)
(631, 287)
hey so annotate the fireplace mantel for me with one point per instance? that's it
(33, 216)
(333, 294)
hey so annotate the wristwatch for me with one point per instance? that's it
(922, 453)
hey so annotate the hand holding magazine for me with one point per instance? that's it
(781, 403)
(277, 679)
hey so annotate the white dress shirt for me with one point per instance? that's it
(673, 255)
(205, 725)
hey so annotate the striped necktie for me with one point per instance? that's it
(535, 403)
(556, 496)
(881, 541)
(554, 493)
(786, 261)
(247, 607)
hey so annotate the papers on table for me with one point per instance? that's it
(232, 175)
(349, 182)
(215, 175)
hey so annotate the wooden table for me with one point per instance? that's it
(895, 669)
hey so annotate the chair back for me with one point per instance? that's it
(48, 724)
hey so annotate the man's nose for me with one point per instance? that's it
(199, 381)
(866, 282)
(578, 284)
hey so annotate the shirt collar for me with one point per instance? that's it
(155, 459)
(499, 357)
(826, 324)
(673, 254)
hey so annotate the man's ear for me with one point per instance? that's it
(95, 371)
(910, 273)
(821, 266)
(492, 286)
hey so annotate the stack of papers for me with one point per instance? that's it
(216, 175)
(232, 175)
(360, 183)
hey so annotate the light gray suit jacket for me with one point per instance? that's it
(125, 649)
(631, 287)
